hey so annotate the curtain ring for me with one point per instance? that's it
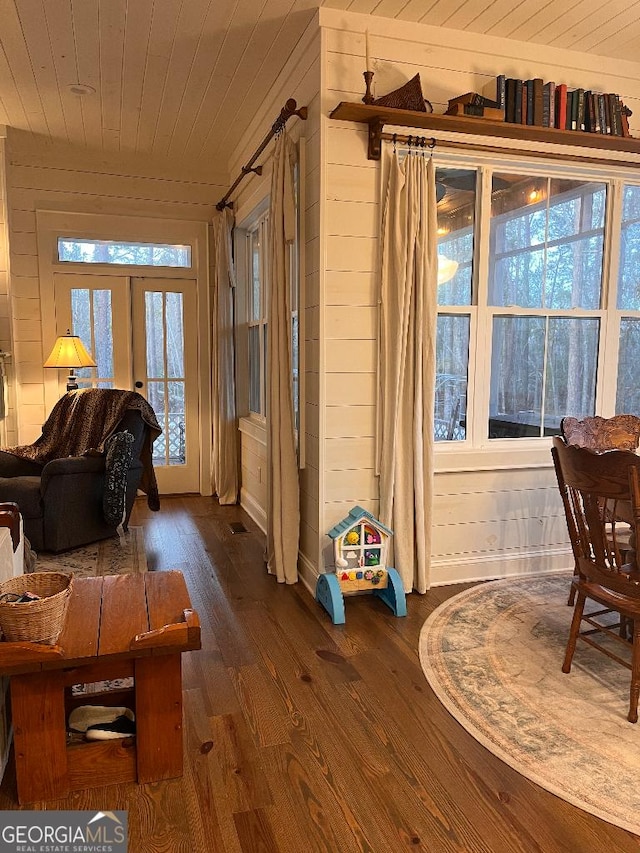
(409, 139)
(395, 139)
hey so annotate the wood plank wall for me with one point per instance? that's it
(490, 518)
(42, 177)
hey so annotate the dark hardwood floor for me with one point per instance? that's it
(301, 735)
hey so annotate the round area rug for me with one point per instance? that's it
(493, 656)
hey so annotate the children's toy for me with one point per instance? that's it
(360, 546)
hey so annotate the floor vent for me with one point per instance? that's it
(237, 527)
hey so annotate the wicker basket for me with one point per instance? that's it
(39, 621)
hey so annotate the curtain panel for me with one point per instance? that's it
(224, 453)
(406, 368)
(283, 504)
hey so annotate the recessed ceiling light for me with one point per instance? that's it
(81, 89)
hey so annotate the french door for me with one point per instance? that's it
(136, 329)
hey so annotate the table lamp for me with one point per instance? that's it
(69, 352)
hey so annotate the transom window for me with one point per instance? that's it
(85, 251)
(537, 332)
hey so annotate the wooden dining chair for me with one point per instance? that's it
(620, 432)
(607, 572)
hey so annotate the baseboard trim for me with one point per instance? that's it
(253, 509)
(444, 572)
(307, 573)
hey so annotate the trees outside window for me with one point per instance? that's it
(538, 324)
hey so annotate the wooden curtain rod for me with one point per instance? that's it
(290, 109)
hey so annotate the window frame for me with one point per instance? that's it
(243, 257)
(258, 226)
(477, 451)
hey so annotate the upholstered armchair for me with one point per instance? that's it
(67, 498)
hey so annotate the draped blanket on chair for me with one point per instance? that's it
(81, 422)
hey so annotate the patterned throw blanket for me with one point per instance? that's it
(82, 421)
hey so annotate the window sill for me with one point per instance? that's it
(506, 455)
(255, 427)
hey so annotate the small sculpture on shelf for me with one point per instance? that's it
(360, 546)
(407, 97)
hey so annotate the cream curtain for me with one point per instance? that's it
(406, 370)
(283, 504)
(224, 454)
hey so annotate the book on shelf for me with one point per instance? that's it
(475, 111)
(602, 114)
(561, 106)
(527, 112)
(518, 110)
(616, 115)
(549, 105)
(499, 86)
(538, 91)
(590, 123)
(580, 110)
(575, 100)
(607, 106)
(567, 122)
(510, 99)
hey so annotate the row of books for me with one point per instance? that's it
(534, 102)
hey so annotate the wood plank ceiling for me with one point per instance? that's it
(182, 78)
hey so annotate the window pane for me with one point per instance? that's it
(628, 390)
(452, 357)
(121, 252)
(456, 189)
(92, 322)
(156, 396)
(629, 270)
(254, 307)
(103, 332)
(516, 376)
(254, 369)
(154, 317)
(546, 242)
(542, 369)
(176, 423)
(572, 359)
(175, 335)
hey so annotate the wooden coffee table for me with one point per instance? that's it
(117, 626)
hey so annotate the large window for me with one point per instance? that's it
(526, 312)
(257, 278)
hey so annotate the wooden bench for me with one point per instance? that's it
(117, 626)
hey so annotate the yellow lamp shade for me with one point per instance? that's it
(69, 351)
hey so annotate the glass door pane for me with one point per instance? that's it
(165, 368)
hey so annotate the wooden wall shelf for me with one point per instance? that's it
(377, 117)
